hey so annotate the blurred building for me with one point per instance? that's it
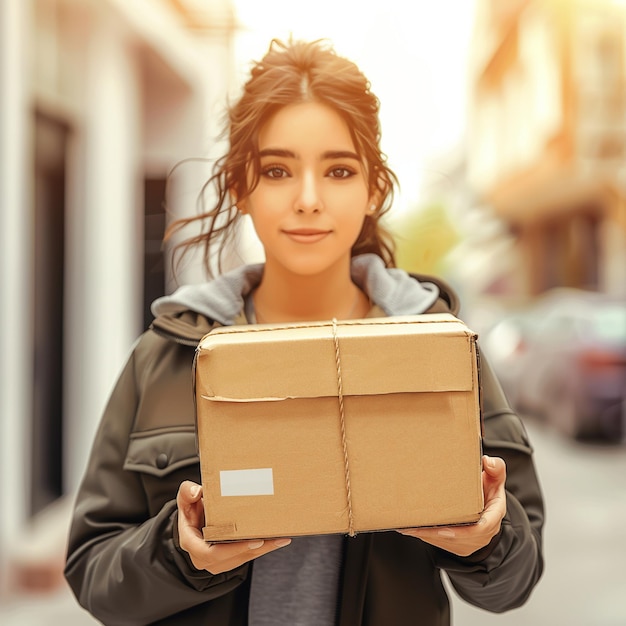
(100, 98)
(547, 139)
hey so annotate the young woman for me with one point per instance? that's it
(305, 164)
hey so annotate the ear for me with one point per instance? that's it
(373, 202)
(241, 205)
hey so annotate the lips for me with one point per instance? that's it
(306, 235)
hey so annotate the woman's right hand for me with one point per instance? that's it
(213, 557)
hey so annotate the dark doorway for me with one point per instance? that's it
(154, 229)
(50, 141)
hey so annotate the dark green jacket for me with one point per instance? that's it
(124, 563)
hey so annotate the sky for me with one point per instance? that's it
(414, 53)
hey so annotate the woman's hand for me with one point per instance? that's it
(464, 540)
(217, 557)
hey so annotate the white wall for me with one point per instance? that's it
(15, 266)
(104, 295)
(122, 127)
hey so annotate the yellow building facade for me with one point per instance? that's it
(547, 137)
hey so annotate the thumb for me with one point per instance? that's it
(494, 466)
(189, 492)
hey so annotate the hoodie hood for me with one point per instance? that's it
(222, 299)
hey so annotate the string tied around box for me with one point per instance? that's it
(342, 418)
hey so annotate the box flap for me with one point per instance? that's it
(433, 353)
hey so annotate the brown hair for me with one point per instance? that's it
(290, 73)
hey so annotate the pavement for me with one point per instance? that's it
(584, 583)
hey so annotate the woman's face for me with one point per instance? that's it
(312, 196)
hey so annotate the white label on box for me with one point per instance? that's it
(251, 482)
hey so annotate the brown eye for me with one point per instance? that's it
(274, 172)
(341, 172)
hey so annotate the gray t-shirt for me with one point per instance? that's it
(297, 585)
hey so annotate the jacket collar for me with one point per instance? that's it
(193, 310)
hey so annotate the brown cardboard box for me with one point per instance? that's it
(338, 427)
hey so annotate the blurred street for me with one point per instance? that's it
(585, 541)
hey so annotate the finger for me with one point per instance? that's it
(223, 557)
(456, 540)
(189, 492)
(494, 466)
(429, 534)
(189, 497)
(190, 507)
(494, 480)
(256, 547)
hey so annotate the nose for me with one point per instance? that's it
(308, 199)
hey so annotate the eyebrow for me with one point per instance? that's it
(329, 154)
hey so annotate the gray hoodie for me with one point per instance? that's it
(223, 299)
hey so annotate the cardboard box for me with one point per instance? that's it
(338, 427)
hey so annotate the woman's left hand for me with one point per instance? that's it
(464, 540)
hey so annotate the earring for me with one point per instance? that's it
(372, 209)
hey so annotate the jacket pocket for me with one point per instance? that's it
(161, 452)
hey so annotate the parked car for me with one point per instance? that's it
(564, 359)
